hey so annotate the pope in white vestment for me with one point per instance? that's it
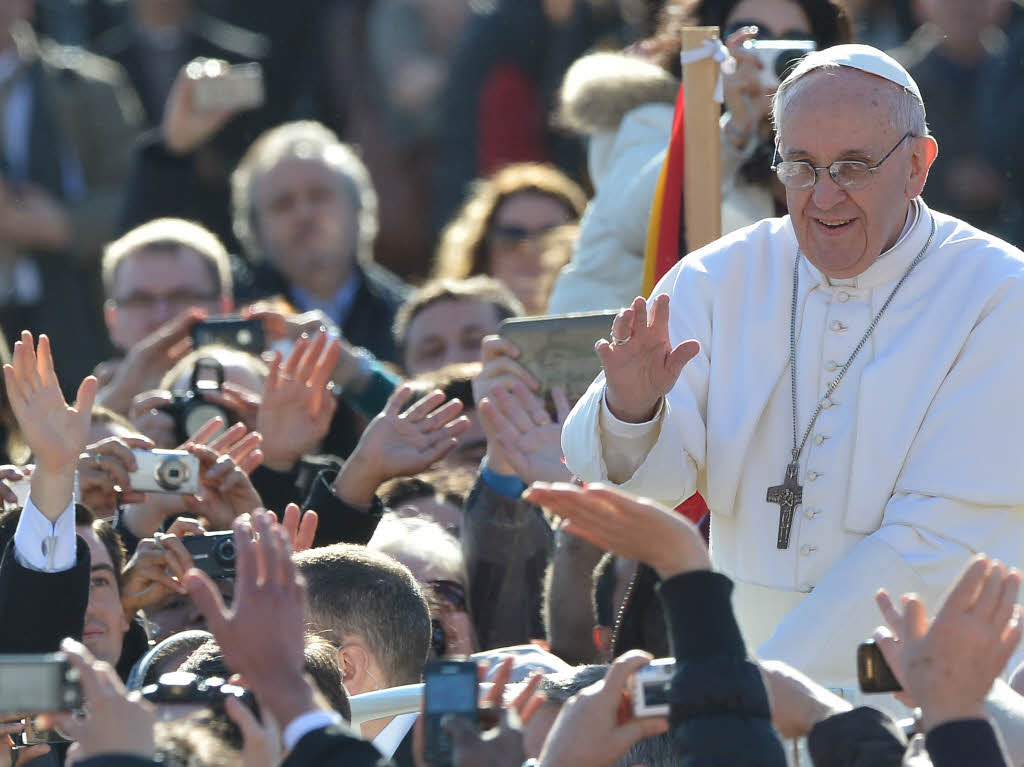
(913, 464)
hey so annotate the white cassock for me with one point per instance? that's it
(915, 465)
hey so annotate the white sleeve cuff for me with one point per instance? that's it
(618, 428)
(40, 545)
(303, 724)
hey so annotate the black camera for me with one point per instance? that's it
(213, 553)
(231, 331)
(873, 672)
(191, 409)
(183, 687)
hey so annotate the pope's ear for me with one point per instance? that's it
(925, 150)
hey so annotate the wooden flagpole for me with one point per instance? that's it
(702, 184)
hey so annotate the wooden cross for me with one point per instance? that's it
(788, 495)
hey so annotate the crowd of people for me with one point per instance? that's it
(394, 487)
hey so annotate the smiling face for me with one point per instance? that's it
(105, 621)
(846, 114)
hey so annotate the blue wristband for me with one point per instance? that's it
(504, 484)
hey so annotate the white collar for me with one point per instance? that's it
(390, 738)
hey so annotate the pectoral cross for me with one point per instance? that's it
(788, 495)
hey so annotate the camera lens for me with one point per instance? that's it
(172, 474)
(224, 553)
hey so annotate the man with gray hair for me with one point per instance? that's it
(838, 383)
(305, 210)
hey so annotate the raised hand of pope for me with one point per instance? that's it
(640, 364)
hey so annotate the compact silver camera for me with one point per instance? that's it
(778, 57)
(38, 682)
(165, 471)
(650, 685)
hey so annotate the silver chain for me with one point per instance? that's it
(797, 449)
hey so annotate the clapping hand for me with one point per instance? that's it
(55, 431)
(297, 407)
(640, 364)
(635, 528)
(521, 437)
(400, 442)
(947, 665)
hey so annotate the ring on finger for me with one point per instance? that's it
(616, 341)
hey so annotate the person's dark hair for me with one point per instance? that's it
(604, 591)
(455, 380)
(355, 591)
(166, 656)
(478, 288)
(640, 624)
(558, 688)
(205, 738)
(830, 24)
(464, 249)
(108, 536)
(452, 484)
(207, 661)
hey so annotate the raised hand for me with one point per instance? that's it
(635, 528)
(299, 526)
(521, 437)
(400, 442)
(948, 665)
(55, 431)
(149, 360)
(226, 490)
(297, 406)
(185, 126)
(640, 364)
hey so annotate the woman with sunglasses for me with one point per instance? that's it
(624, 103)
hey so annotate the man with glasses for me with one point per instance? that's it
(839, 383)
(160, 279)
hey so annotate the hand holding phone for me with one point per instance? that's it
(450, 690)
(873, 672)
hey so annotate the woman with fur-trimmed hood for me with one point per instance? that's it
(624, 103)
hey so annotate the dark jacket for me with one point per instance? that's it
(84, 118)
(863, 737)
(719, 711)
(506, 543)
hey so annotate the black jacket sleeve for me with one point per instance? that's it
(719, 711)
(37, 610)
(334, 746)
(963, 742)
(863, 737)
(117, 760)
(340, 522)
(506, 543)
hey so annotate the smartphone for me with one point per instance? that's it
(231, 331)
(241, 87)
(873, 672)
(36, 683)
(450, 690)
